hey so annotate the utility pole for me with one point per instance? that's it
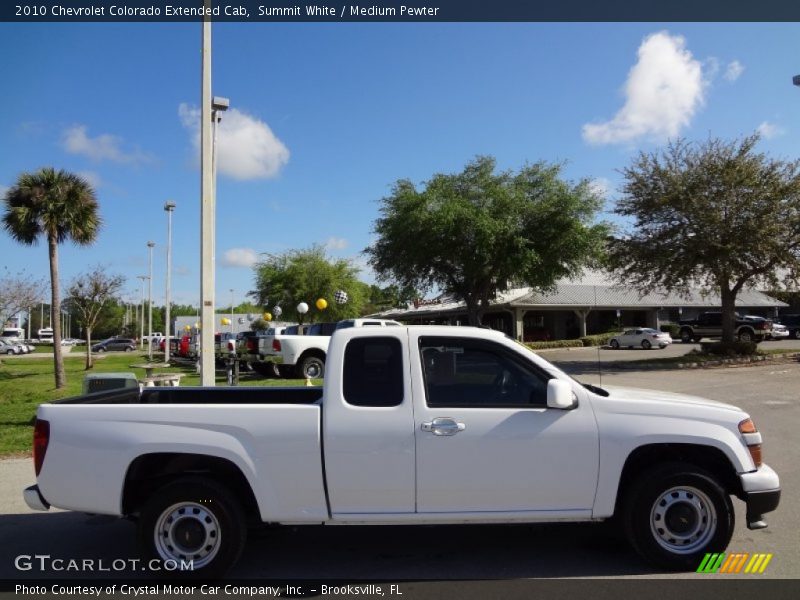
(169, 207)
(207, 217)
(150, 246)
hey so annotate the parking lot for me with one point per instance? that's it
(769, 392)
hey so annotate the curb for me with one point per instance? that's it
(742, 360)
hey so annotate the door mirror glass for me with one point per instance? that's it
(560, 396)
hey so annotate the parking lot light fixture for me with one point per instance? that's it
(796, 80)
(141, 332)
(169, 207)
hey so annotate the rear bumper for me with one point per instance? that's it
(761, 491)
(34, 499)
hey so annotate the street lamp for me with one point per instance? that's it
(141, 333)
(231, 290)
(169, 207)
(150, 246)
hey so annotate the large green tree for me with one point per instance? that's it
(718, 215)
(305, 276)
(57, 206)
(478, 232)
(87, 295)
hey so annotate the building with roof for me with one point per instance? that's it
(592, 303)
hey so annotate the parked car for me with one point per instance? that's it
(414, 426)
(709, 325)
(792, 323)
(115, 343)
(642, 337)
(777, 330)
(10, 348)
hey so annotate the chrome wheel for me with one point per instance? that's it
(187, 531)
(683, 519)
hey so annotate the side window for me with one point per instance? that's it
(462, 372)
(373, 372)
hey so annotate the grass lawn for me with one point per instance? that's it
(27, 382)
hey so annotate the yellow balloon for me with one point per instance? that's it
(322, 304)
(226, 321)
(267, 316)
(187, 328)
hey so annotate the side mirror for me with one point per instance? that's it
(560, 395)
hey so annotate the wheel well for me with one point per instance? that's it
(315, 352)
(707, 458)
(149, 472)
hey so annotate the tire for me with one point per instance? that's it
(795, 334)
(267, 369)
(615, 344)
(101, 350)
(646, 345)
(201, 511)
(686, 336)
(128, 349)
(675, 514)
(745, 335)
(311, 367)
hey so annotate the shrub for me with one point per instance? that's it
(673, 329)
(599, 339)
(732, 349)
(554, 344)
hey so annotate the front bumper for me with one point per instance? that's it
(761, 491)
(34, 499)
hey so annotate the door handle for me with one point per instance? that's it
(443, 426)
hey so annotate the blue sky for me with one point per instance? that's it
(328, 116)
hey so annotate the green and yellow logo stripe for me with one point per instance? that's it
(736, 562)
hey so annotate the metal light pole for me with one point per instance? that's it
(231, 290)
(169, 207)
(141, 334)
(150, 246)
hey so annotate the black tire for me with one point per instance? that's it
(795, 334)
(311, 367)
(686, 336)
(214, 525)
(615, 344)
(101, 350)
(684, 494)
(128, 349)
(745, 335)
(646, 345)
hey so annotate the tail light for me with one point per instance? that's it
(276, 345)
(41, 438)
(252, 344)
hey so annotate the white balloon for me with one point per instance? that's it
(302, 308)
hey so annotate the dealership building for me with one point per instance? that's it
(592, 303)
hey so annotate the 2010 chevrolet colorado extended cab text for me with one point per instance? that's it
(414, 425)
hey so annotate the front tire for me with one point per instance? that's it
(675, 514)
(193, 519)
(686, 336)
(615, 344)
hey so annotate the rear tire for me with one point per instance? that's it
(646, 345)
(311, 367)
(675, 514)
(746, 336)
(193, 519)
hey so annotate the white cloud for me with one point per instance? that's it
(93, 178)
(246, 146)
(663, 91)
(239, 257)
(601, 186)
(733, 71)
(335, 243)
(770, 130)
(103, 147)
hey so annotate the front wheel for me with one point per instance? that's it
(615, 344)
(128, 349)
(686, 336)
(195, 525)
(677, 513)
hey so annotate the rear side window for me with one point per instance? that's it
(373, 372)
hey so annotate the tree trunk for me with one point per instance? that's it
(89, 364)
(728, 298)
(55, 313)
(473, 311)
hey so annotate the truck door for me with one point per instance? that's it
(486, 441)
(369, 425)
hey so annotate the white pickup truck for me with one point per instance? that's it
(415, 425)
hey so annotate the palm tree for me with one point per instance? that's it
(58, 206)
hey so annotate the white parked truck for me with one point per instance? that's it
(415, 425)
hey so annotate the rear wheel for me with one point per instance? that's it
(128, 349)
(646, 344)
(745, 335)
(675, 514)
(194, 523)
(311, 367)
